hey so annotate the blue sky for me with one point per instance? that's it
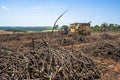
(45, 12)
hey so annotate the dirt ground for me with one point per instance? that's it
(54, 56)
(5, 32)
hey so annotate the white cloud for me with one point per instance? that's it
(4, 8)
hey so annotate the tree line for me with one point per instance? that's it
(105, 27)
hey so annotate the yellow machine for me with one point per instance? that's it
(80, 28)
(77, 28)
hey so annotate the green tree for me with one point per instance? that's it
(64, 28)
(97, 28)
(104, 27)
(111, 27)
(56, 26)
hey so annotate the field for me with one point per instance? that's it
(25, 29)
(47, 56)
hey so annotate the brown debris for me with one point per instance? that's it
(87, 58)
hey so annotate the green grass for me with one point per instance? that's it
(48, 30)
(40, 31)
(32, 31)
